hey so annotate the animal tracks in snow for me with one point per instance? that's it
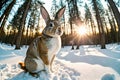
(61, 72)
(65, 73)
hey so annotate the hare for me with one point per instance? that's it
(42, 50)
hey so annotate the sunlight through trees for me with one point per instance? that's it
(84, 22)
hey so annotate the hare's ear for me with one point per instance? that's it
(45, 14)
(60, 13)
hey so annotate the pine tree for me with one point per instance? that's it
(22, 23)
(90, 22)
(4, 17)
(54, 8)
(3, 3)
(6, 13)
(116, 14)
(100, 25)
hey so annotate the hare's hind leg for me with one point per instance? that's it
(33, 65)
(30, 65)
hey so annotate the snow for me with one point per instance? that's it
(88, 63)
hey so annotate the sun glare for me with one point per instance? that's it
(82, 30)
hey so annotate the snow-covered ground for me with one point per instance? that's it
(87, 63)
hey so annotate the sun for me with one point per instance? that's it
(82, 30)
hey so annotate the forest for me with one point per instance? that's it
(84, 22)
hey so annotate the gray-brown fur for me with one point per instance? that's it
(41, 52)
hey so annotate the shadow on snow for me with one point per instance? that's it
(93, 59)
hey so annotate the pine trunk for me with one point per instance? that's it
(6, 13)
(116, 14)
(3, 2)
(100, 26)
(4, 18)
(22, 24)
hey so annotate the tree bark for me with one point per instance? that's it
(6, 13)
(4, 18)
(22, 24)
(100, 25)
(3, 2)
(116, 14)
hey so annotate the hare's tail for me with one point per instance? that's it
(22, 66)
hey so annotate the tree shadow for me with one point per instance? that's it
(110, 53)
(91, 59)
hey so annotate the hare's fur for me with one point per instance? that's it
(50, 46)
(41, 52)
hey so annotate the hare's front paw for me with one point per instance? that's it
(34, 74)
(47, 68)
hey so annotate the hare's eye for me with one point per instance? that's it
(51, 25)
